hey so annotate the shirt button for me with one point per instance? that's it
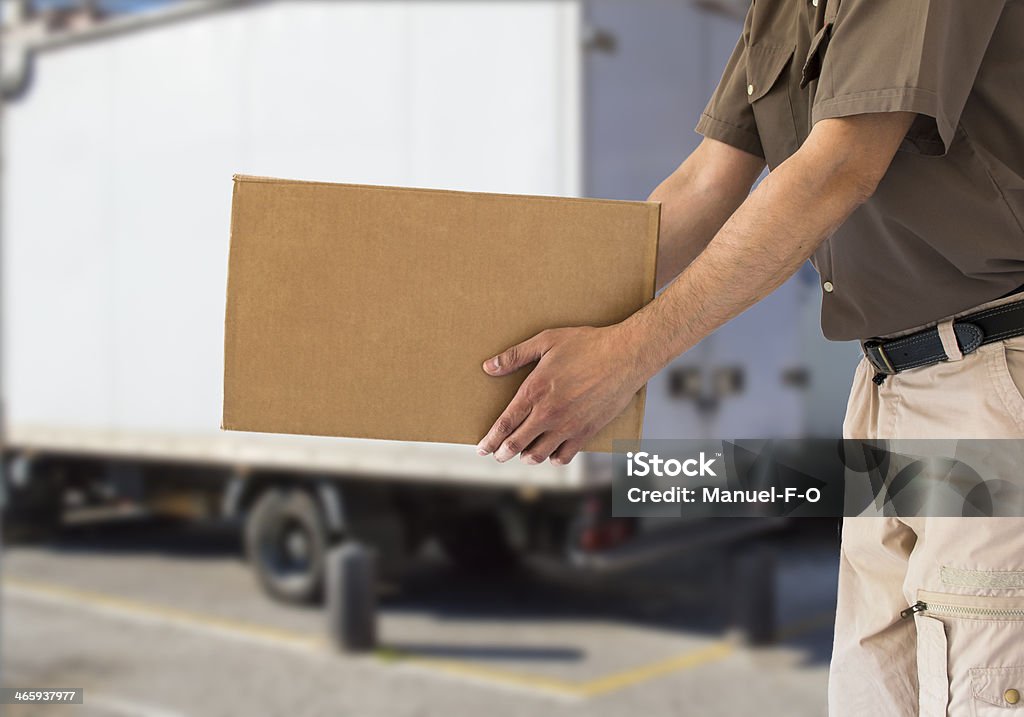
(750, 89)
(1012, 696)
(827, 286)
(814, 3)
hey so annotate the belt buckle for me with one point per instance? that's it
(874, 351)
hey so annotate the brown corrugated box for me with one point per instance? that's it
(366, 312)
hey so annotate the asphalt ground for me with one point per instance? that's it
(160, 619)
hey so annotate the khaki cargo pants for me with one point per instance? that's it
(964, 656)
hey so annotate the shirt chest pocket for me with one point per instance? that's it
(768, 92)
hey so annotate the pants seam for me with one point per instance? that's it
(897, 401)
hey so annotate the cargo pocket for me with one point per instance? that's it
(769, 97)
(997, 691)
(970, 659)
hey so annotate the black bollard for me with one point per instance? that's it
(753, 594)
(352, 598)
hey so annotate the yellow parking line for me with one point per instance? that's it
(497, 676)
(645, 673)
(565, 688)
(161, 613)
(613, 682)
(617, 681)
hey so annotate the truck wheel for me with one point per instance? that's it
(477, 543)
(286, 541)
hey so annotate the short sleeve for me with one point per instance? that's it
(906, 56)
(728, 116)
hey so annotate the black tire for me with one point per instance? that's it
(286, 541)
(477, 543)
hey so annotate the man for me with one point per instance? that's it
(894, 132)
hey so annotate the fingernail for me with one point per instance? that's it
(503, 455)
(530, 460)
(492, 364)
(481, 451)
(557, 461)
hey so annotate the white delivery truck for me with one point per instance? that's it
(120, 138)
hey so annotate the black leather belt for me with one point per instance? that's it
(924, 348)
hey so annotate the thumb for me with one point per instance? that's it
(516, 357)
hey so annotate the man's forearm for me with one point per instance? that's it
(586, 376)
(767, 239)
(697, 199)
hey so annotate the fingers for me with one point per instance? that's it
(540, 449)
(567, 451)
(517, 442)
(519, 430)
(518, 356)
(507, 422)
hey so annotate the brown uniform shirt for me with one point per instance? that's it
(945, 229)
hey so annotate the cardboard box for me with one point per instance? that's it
(366, 312)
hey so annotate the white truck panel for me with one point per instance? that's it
(119, 159)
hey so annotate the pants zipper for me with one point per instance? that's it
(962, 611)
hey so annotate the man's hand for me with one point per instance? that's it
(584, 378)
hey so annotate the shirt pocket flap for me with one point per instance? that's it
(765, 64)
(815, 56)
(993, 684)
